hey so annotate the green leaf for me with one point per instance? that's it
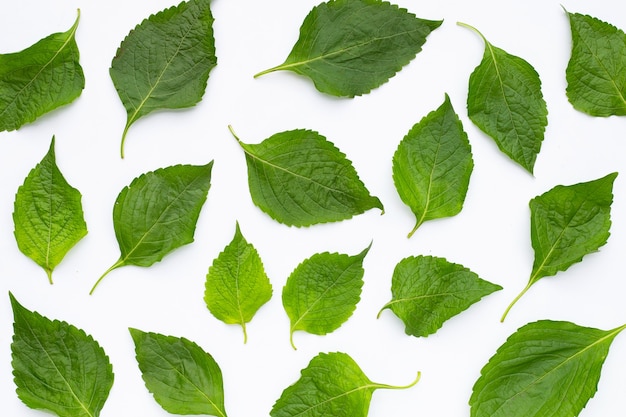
(596, 72)
(545, 369)
(299, 178)
(331, 385)
(427, 291)
(57, 367)
(39, 79)
(567, 223)
(48, 215)
(349, 47)
(323, 291)
(505, 101)
(157, 213)
(236, 285)
(164, 62)
(432, 166)
(183, 378)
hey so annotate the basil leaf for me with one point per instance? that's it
(427, 291)
(432, 166)
(299, 178)
(323, 291)
(236, 285)
(164, 62)
(157, 213)
(57, 367)
(567, 223)
(349, 47)
(48, 215)
(505, 101)
(331, 385)
(596, 71)
(39, 79)
(183, 378)
(546, 368)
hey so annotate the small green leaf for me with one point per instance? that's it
(323, 291)
(236, 285)
(39, 79)
(48, 215)
(164, 62)
(427, 291)
(349, 47)
(567, 223)
(57, 367)
(432, 166)
(157, 213)
(596, 71)
(183, 378)
(331, 385)
(546, 368)
(505, 101)
(300, 178)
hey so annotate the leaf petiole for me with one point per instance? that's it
(116, 265)
(398, 387)
(515, 300)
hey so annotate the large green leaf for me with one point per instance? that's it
(567, 223)
(300, 178)
(505, 101)
(596, 72)
(39, 79)
(432, 166)
(236, 284)
(427, 291)
(164, 62)
(331, 385)
(183, 378)
(349, 47)
(48, 215)
(545, 369)
(57, 367)
(158, 212)
(323, 291)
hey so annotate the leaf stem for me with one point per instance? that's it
(515, 300)
(472, 28)
(412, 384)
(245, 333)
(116, 265)
(417, 225)
(267, 71)
(124, 140)
(291, 340)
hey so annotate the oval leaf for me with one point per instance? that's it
(48, 215)
(596, 71)
(164, 62)
(39, 79)
(299, 178)
(57, 367)
(505, 101)
(183, 378)
(427, 291)
(349, 47)
(236, 285)
(158, 212)
(546, 368)
(432, 166)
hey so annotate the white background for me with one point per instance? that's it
(490, 236)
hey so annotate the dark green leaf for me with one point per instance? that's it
(349, 47)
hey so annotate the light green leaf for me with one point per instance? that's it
(47, 214)
(323, 291)
(236, 285)
(164, 62)
(427, 291)
(39, 79)
(505, 101)
(349, 47)
(331, 385)
(596, 71)
(432, 166)
(567, 223)
(157, 213)
(183, 378)
(545, 369)
(57, 367)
